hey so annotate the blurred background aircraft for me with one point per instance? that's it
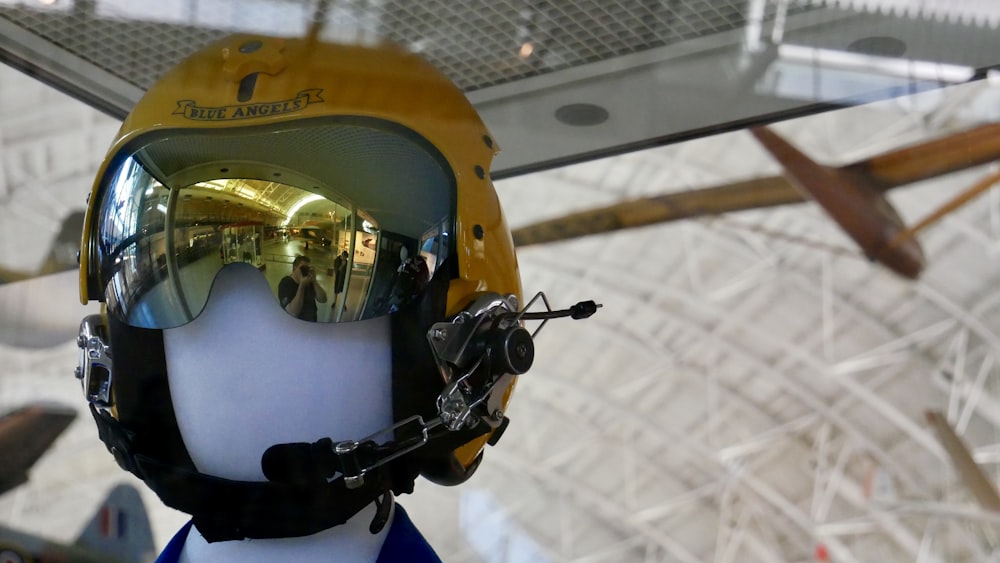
(118, 532)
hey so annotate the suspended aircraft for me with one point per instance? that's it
(853, 196)
(118, 532)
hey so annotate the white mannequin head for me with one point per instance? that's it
(245, 375)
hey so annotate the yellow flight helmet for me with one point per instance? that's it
(366, 149)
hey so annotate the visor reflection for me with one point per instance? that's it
(160, 249)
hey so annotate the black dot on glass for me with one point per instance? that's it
(582, 115)
(251, 46)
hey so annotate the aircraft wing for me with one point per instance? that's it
(25, 435)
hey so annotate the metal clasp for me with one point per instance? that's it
(95, 366)
(347, 450)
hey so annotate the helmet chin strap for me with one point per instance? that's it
(226, 509)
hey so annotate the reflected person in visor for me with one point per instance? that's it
(299, 291)
(282, 142)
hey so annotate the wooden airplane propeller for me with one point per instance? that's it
(853, 195)
(853, 201)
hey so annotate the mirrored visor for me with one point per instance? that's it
(345, 220)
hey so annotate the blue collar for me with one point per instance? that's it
(403, 544)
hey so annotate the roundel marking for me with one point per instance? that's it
(9, 555)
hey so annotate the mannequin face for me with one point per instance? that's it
(246, 375)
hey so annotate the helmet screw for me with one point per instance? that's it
(440, 334)
(498, 414)
(477, 231)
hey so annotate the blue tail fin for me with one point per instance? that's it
(120, 528)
